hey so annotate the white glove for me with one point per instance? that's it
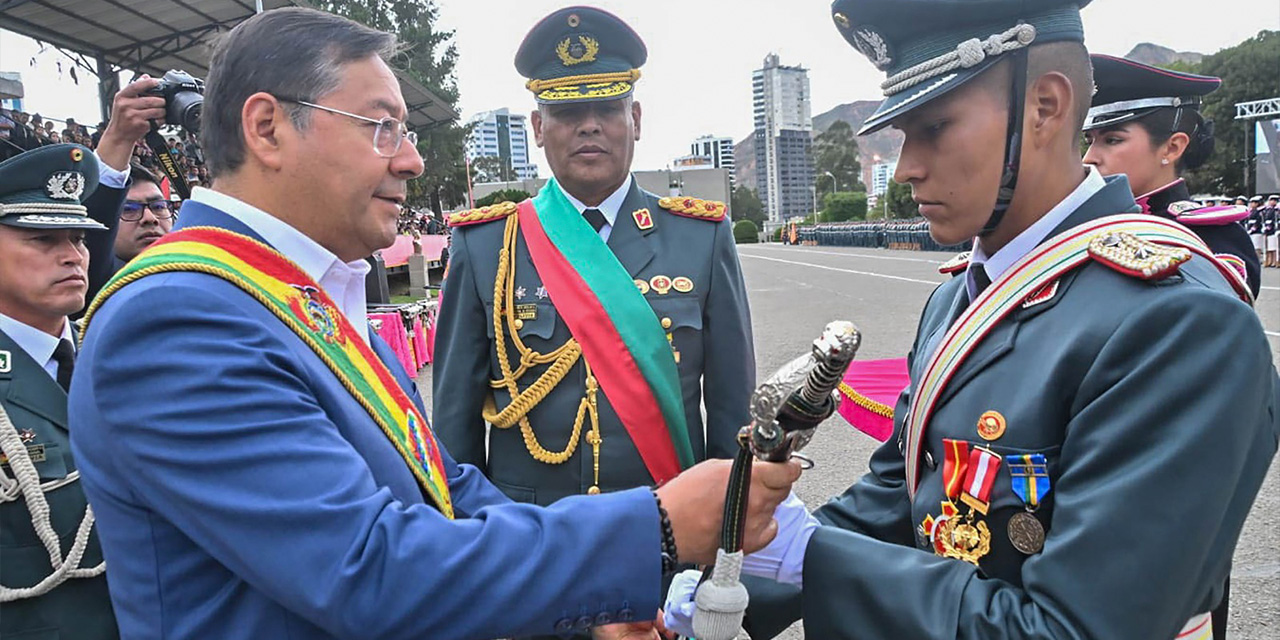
(677, 613)
(783, 559)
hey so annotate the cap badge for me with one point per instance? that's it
(574, 20)
(65, 185)
(584, 50)
(77, 155)
(873, 45)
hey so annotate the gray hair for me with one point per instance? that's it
(292, 53)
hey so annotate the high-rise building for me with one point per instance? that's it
(783, 126)
(881, 175)
(720, 150)
(502, 134)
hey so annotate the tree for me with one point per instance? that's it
(746, 206)
(745, 232)
(843, 206)
(900, 203)
(429, 57)
(492, 169)
(1249, 72)
(503, 195)
(835, 151)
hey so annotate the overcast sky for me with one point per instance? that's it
(701, 55)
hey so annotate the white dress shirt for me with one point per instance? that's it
(110, 176)
(38, 344)
(1031, 238)
(609, 208)
(343, 281)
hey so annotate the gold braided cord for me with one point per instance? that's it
(491, 212)
(693, 207)
(537, 86)
(877, 408)
(562, 360)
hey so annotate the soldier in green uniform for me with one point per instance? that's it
(592, 324)
(51, 569)
(1059, 466)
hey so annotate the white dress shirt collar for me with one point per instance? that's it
(343, 281)
(609, 207)
(38, 344)
(1035, 234)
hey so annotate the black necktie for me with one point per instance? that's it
(595, 218)
(65, 356)
(980, 279)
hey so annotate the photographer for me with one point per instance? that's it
(132, 111)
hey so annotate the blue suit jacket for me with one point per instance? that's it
(241, 492)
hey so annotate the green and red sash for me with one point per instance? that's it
(294, 297)
(1044, 265)
(620, 336)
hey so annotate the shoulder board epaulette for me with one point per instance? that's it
(694, 208)
(957, 263)
(1193, 214)
(494, 211)
(1136, 257)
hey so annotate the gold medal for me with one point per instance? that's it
(661, 284)
(682, 284)
(1026, 533)
(642, 286)
(960, 538)
(991, 425)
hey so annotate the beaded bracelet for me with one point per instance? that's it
(670, 558)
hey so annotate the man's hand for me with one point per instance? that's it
(694, 501)
(131, 116)
(626, 631)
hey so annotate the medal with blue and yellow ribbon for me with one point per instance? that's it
(1031, 483)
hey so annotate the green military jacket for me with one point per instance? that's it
(79, 608)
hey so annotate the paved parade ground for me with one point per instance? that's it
(795, 291)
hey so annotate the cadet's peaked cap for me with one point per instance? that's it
(1129, 90)
(45, 188)
(580, 54)
(929, 47)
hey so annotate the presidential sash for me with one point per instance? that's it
(1024, 280)
(620, 336)
(299, 302)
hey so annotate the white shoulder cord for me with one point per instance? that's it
(26, 484)
(967, 54)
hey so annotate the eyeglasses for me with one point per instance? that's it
(132, 210)
(388, 134)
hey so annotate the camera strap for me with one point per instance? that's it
(177, 181)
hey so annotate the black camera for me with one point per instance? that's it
(183, 99)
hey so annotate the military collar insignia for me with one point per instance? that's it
(958, 263)
(1041, 295)
(1182, 206)
(644, 220)
(6, 361)
(583, 50)
(871, 44)
(65, 185)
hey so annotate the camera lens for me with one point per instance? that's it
(184, 109)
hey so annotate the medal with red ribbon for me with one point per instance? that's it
(981, 475)
(954, 465)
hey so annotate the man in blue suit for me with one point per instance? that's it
(258, 471)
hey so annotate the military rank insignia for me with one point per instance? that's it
(1137, 257)
(5, 362)
(644, 220)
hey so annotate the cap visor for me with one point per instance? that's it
(597, 92)
(51, 221)
(904, 101)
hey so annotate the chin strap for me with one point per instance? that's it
(1012, 143)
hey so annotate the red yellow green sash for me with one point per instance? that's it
(289, 293)
(620, 335)
(1042, 266)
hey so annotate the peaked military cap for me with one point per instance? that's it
(45, 188)
(1257, 198)
(1129, 90)
(929, 47)
(581, 54)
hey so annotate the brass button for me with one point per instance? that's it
(666, 323)
(594, 490)
(519, 324)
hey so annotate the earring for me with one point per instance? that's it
(1164, 161)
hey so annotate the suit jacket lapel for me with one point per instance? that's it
(628, 242)
(31, 388)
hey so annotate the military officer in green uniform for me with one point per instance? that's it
(592, 324)
(1059, 466)
(52, 581)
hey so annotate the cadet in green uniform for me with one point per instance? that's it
(1059, 466)
(51, 570)
(592, 324)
